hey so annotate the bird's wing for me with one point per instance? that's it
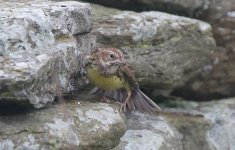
(108, 69)
(128, 73)
(121, 69)
(112, 69)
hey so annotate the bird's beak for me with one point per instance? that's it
(117, 62)
(90, 58)
(86, 60)
(121, 61)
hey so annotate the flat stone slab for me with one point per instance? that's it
(72, 125)
(149, 132)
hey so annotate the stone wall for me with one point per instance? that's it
(42, 48)
(40, 45)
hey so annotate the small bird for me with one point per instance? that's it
(114, 78)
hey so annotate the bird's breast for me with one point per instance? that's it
(107, 83)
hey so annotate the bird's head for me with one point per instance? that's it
(106, 55)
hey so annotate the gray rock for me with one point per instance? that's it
(219, 81)
(181, 7)
(209, 126)
(217, 9)
(192, 125)
(221, 135)
(165, 50)
(70, 125)
(38, 50)
(149, 132)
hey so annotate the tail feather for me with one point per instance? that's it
(146, 107)
(96, 90)
(143, 106)
(138, 105)
(144, 102)
(116, 95)
(149, 101)
(130, 104)
(138, 101)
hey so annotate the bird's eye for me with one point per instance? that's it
(111, 55)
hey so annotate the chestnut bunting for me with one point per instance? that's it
(114, 78)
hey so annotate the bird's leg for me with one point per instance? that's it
(123, 105)
(105, 99)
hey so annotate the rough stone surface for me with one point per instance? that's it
(63, 126)
(165, 50)
(215, 83)
(38, 50)
(221, 135)
(180, 7)
(219, 81)
(192, 125)
(205, 126)
(217, 9)
(84, 125)
(149, 132)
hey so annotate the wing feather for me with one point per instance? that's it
(128, 73)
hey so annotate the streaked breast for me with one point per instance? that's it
(112, 82)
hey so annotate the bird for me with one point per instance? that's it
(114, 78)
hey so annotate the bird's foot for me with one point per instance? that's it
(119, 103)
(122, 107)
(105, 100)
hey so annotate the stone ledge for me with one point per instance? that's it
(71, 125)
(39, 52)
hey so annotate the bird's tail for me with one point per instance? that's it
(138, 100)
(142, 103)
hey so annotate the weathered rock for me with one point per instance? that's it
(38, 51)
(165, 50)
(221, 135)
(216, 83)
(181, 7)
(149, 132)
(192, 125)
(208, 126)
(217, 9)
(219, 81)
(63, 126)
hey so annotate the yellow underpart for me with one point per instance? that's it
(109, 83)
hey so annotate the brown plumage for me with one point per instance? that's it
(114, 78)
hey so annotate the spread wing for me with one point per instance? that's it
(128, 73)
(112, 69)
(107, 69)
(121, 69)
